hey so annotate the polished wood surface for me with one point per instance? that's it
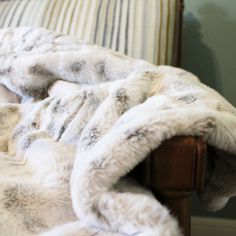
(179, 204)
(173, 171)
(177, 44)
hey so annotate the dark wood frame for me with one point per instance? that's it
(179, 165)
(173, 171)
(177, 44)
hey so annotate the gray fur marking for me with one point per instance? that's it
(34, 92)
(77, 66)
(92, 136)
(11, 199)
(16, 200)
(188, 99)
(40, 70)
(28, 141)
(5, 71)
(121, 95)
(100, 68)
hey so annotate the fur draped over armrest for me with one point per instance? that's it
(78, 118)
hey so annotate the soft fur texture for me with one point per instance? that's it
(76, 118)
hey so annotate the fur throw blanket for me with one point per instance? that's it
(76, 118)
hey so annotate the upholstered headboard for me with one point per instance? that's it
(147, 29)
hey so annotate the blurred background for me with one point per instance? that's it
(209, 51)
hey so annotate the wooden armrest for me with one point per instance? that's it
(172, 171)
(178, 164)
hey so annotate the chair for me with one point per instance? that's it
(173, 172)
(148, 29)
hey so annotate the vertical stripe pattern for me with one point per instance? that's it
(139, 28)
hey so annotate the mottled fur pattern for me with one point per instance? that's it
(76, 118)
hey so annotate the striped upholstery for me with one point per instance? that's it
(138, 28)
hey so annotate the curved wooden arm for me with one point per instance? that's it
(172, 171)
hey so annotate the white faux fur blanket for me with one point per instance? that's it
(76, 118)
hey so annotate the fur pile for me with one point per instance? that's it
(76, 118)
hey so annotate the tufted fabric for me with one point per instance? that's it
(139, 28)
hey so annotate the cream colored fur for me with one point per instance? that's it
(87, 117)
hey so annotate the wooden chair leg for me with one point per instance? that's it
(180, 204)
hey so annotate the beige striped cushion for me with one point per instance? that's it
(138, 28)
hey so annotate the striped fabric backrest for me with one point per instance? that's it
(139, 28)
